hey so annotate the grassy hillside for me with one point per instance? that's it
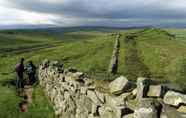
(87, 51)
(153, 53)
(163, 54)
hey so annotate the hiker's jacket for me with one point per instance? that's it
(20, 69)
(31, 69)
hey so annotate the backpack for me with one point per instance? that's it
(18, 67)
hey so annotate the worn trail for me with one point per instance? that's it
(27, 98)
(134, 66)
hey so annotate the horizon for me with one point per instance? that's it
(49, 26)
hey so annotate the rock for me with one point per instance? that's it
(134, 92)
(66, 95)
(119, 85)
(92, 87)
(95, 110)
(114, 101)
(182, 116)
(182, 109)
(148, 108)
(122, 111)
(45, 63)
(92, 95)
(70, 106)
(142, 88)
(128, 116)
(170, 112)
(78, 74)
(106, 112)
(155, 91)
(143, 112)
(174, 98)
(110, 112)
(89, 82)
(92, 116)
(163, 116)
(100, 96)
(76, 96)
(118, 105)
(84, 107)
(83, 90)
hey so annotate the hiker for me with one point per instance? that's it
(31, 68)
(20, 71)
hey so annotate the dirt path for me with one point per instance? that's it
(27, 98)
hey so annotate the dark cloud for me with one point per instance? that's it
(104, 9)
(107, 9)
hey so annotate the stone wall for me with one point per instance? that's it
(115, 54)
(74, 95)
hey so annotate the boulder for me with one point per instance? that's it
(155, 91)
(45, 63)
(144, 112)
(100, 96)
(119, 85)
(84, 107)
(128, 116)
(92, 116)
(92, 95)
(70, 106)
(91, 87)
(120, 111)
(113, 100)
(134, 92)
(89, 82)
(170, 112)
(148, 108)
(174, 98)
(78, 74)
(142, 88)
(95, 110)
(114, 112)
(83, 90)
(106, 112)
(182, 109)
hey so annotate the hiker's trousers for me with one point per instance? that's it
(19, 82)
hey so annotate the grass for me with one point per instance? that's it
(9, 105)
(121, 59)
(163, 55)
(89, 52)
(153, 53)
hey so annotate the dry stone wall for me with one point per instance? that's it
(76, 96)
(115, 54)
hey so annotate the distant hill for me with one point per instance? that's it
(24, 26)
(60, 28)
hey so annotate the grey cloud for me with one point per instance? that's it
(103, 8)
(108, 12)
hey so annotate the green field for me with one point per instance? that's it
(87, 51)
(154, 53)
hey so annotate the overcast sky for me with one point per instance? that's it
(93, 12)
